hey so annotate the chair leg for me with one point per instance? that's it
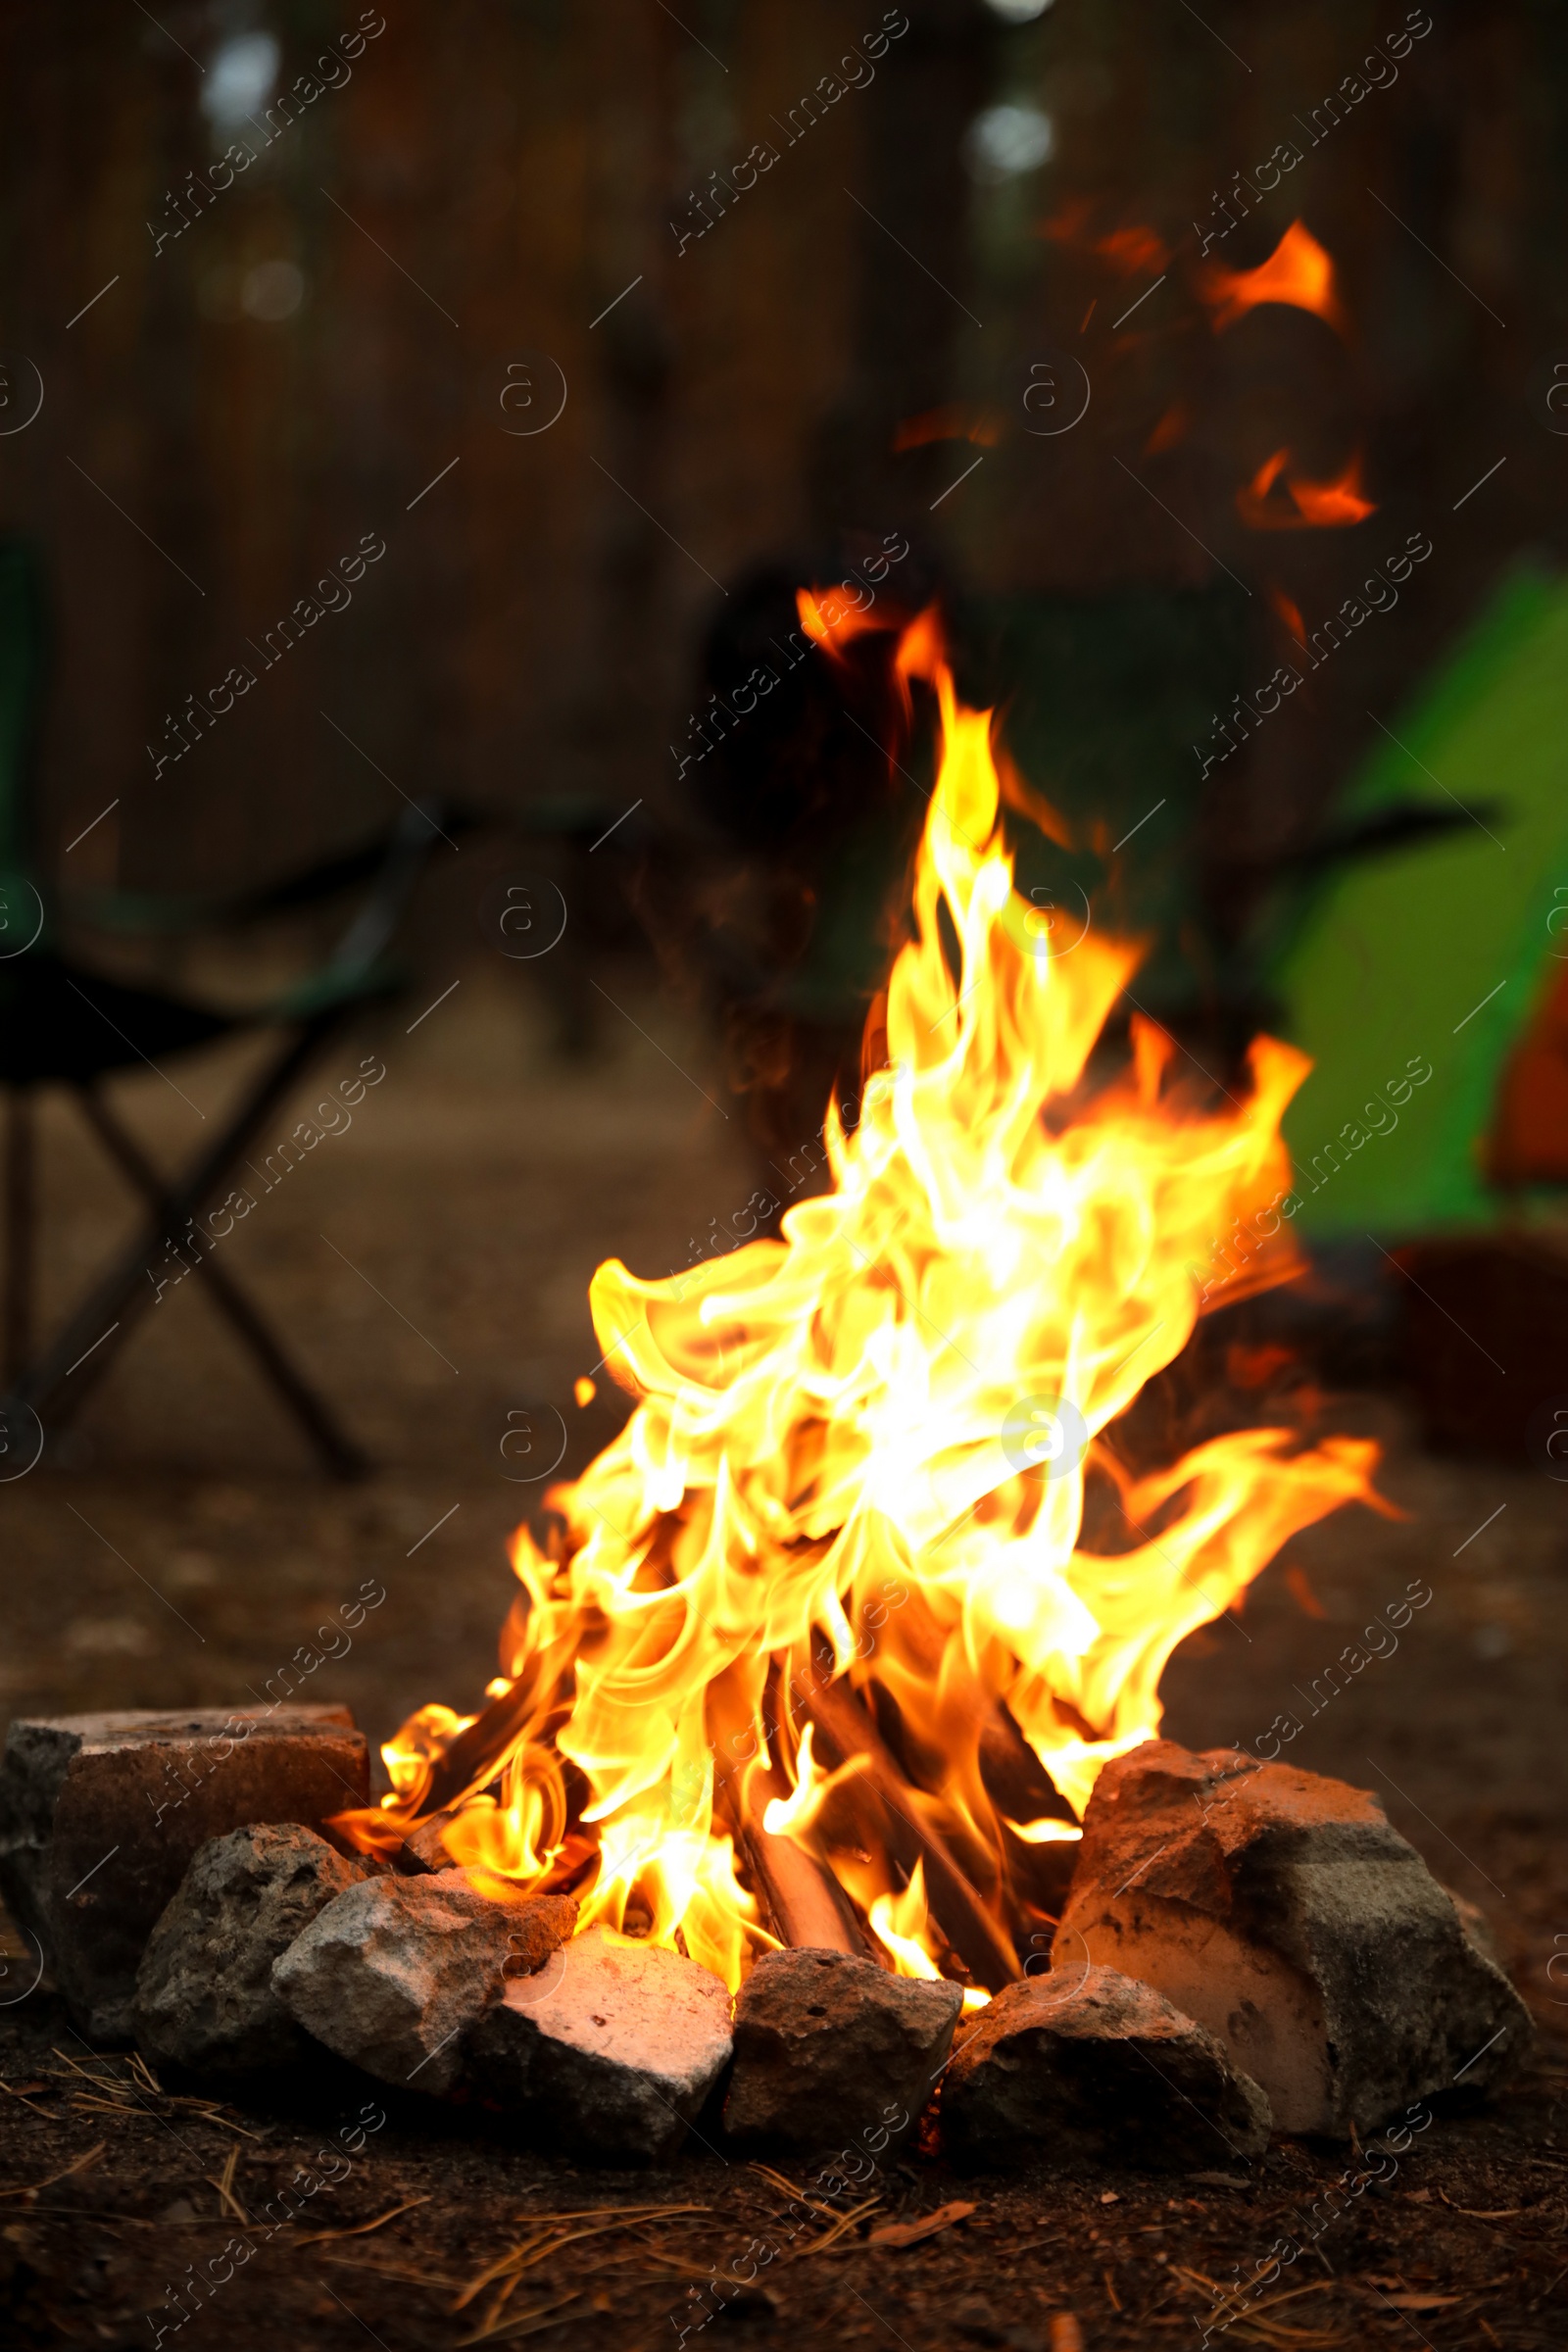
(21, 1221)
(342, 1458)
(82, 1352)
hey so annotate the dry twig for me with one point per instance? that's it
(547, 2238)
(30, 2188)
(525, 2323)
(391, 2270)
(121, 2095)
(909, 2233)
(24, 2091)
(318, 2238)
(224, 2183)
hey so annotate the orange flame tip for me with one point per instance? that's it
(1045, 1833)
(832, 621)
(1306, 505)
(1171, 428)
(1290, 613)
(1298, 272)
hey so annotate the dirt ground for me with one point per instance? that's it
(429, 1267)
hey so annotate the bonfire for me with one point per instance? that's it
(847, 1620)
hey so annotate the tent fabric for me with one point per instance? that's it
(1418, 979)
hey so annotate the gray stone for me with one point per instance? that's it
(1283, 1912)
(1087, 2064)
(203, 1989)
(1478, 1927)
(609, 2051)
(392, 1974)
(828, 2047)
(102, 1815)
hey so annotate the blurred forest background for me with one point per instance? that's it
(333, 329)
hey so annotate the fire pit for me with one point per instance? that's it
(820, 1793)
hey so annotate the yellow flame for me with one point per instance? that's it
(899, 1921)
(865, 1448)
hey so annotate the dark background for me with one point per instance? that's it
(492, 176)
(321, 355)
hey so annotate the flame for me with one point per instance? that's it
(1297, 273)
(832, 621)
(899, 1921)
(877, 1463)
(1172, 428)
(1306, 505)
(1130, 250)
(1290, 613)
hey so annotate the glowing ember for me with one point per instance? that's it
(853, 1487)
(1305, 505)
(1133, 250)
(1297, 273)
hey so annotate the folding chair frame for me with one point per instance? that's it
(58, 1383)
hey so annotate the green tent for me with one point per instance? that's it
(1434, 956)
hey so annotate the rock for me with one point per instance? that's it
(828, 2046)
(203, 1989)
(609, 2051)
(1283, 1912)
(101, 1816)
(1084, 2064)
(393, 1973)
(1478, 1927)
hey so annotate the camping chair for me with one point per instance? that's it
(62, 1023)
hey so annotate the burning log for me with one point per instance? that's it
(473, 1760)
(908, 1837)
(1022, 1791)
(809, 1909)
(1013, 1773)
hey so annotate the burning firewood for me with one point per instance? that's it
(809, 1907)
(871, 1441)
(908, 1837)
